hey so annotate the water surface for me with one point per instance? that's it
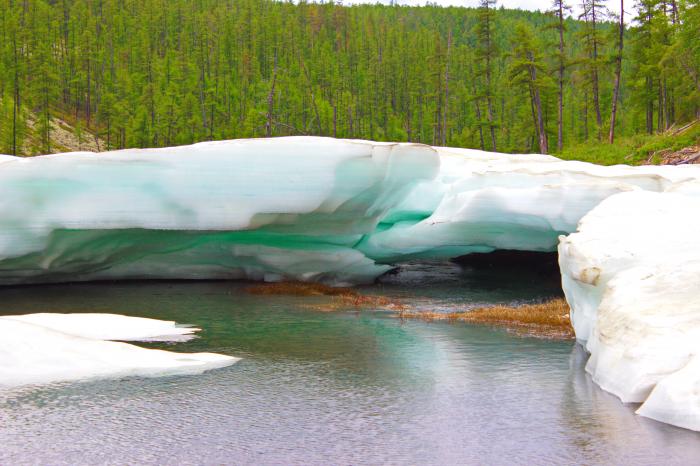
(332, 387)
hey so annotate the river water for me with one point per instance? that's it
(332, 387)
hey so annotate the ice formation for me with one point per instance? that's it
(631, 275)
(45, 348)
(485, 201)
(303, 208)
(343, 212)
(260, 209)
(110, 326)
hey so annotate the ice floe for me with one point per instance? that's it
(45, 348)
(110, 326)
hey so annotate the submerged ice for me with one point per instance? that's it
(343, 212)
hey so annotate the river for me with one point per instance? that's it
(339, 387)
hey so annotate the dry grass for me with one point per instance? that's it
(547, 320)
(340, 298)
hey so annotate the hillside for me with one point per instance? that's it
(63, 137)
(169, 72)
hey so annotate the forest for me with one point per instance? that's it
(149, 73)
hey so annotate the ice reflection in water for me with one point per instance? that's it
(342, 388)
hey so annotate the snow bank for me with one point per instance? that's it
(46, 348)
(631, 274)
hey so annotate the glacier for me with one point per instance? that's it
(346, 211)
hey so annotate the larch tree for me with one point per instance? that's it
(593, 14)
(528, 69)
(618, 72)
(559, 9)
(170, 72)
(486, 54)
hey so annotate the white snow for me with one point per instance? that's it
(676, 398)
(631, 274)
(110, 326)
(45, 348)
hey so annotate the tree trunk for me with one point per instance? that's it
(585, 116)
(447, 87)
(660, 111)
(87, 101)
(491, 128)
(618, 69)
(537, 104)
(489, 105)
(477, 109)
(650, 106)
(594, 77)
(481, 128)
(271, 100)
(560, 114)
(15, 100)
(674, 12)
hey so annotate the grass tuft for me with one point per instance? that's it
(547, 320)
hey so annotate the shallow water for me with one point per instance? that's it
(332, 387)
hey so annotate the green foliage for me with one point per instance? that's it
(142, 73)
(633, 150)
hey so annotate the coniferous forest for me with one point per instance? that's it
(147, 73)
